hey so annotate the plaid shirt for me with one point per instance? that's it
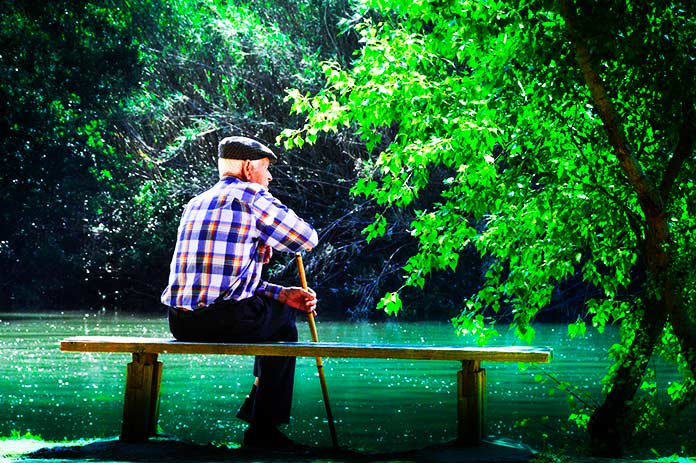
(217, 251)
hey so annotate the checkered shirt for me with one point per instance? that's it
(217, 250)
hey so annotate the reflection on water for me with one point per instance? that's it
(378, 404)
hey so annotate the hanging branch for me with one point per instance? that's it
(648, 194)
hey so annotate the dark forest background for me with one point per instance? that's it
(111, 114)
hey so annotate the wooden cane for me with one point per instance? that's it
(320, 364)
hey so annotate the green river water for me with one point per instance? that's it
(378, 405)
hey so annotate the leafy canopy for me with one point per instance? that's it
(491, 94)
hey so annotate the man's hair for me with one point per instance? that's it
(233, 166)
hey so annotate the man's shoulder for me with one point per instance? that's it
(245, 191)
(258, 197)
(250, 193)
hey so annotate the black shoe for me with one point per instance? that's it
(268, 437)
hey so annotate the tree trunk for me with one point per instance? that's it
(611, 422)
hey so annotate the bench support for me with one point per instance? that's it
(141, 404)
(144, 376)
(471, 403)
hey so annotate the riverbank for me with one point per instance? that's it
(173, 450)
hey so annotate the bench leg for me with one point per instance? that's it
(141, 403)
(471, 403)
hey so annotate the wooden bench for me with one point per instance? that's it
(144, 373)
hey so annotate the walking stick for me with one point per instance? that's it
(320, 364)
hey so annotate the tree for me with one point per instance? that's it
(111, 116)
(64, 67)
(221, 70)
(564, 135)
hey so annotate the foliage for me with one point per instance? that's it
(111, 118)
(138, 94)
(564, 131)
(64, 67)
(223, 72)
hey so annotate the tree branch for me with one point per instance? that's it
(648, 194)
(632, 217)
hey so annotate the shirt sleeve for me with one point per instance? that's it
(268, 289)
(280, 227)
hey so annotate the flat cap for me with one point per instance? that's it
(244, 148)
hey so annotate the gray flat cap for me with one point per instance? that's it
(244, 148)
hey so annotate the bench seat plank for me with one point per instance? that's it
(307, 349)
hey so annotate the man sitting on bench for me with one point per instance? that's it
(215, 292)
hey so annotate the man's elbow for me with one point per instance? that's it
(313, 240)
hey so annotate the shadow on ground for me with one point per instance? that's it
(172, 450)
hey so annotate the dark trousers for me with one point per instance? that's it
(257, 319)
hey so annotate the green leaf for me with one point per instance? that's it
(390, 303)
(577, 329)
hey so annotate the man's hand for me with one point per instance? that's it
(266, 252)
(298, 298)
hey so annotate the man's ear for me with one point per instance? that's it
(247, 170)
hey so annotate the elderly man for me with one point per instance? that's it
(215, 291)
